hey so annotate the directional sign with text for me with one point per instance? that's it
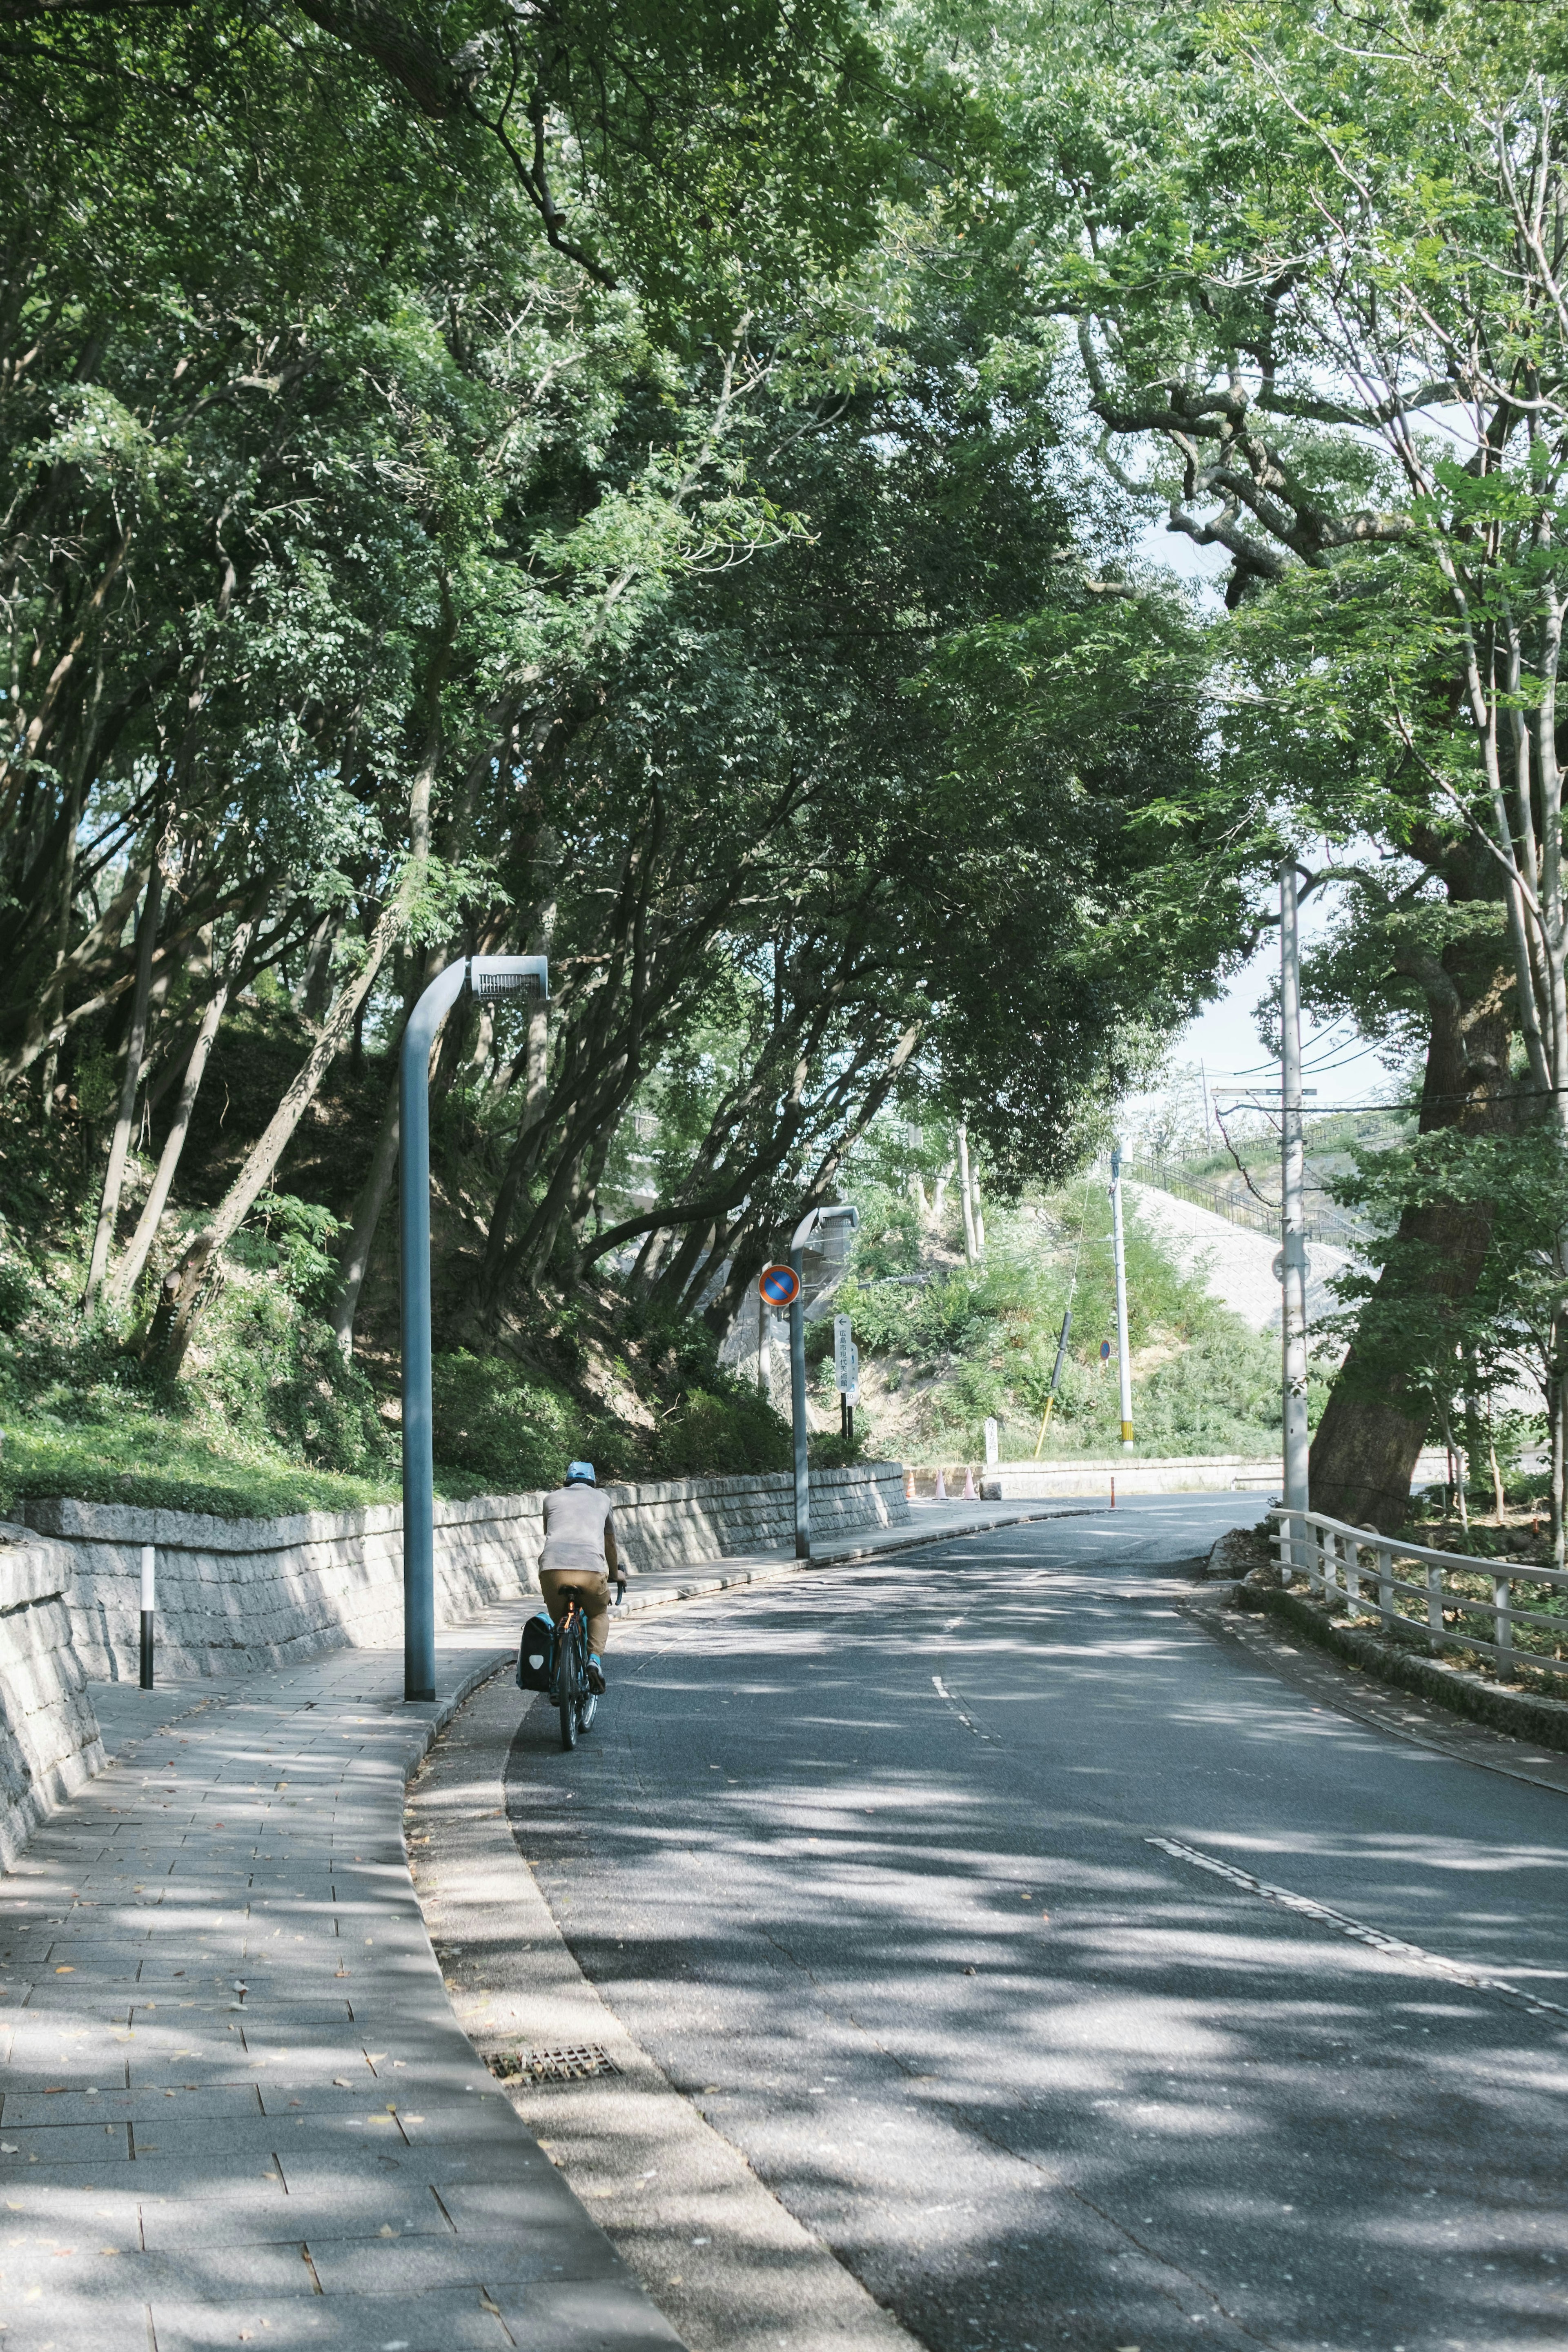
(843, 1355)
(780, 1286)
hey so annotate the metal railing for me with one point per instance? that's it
(1329, 1554)
(1253, 1215)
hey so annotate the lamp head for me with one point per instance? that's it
(491, 976)
(834, 1225)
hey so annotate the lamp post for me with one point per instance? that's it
(489, 976)
(840, 1220)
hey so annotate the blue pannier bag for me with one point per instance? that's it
(536, 1654)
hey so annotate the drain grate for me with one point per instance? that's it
(579, 2065)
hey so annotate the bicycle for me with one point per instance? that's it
(569, 1690)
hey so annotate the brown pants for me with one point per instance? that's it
(556, 1584)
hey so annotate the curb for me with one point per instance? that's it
(1527, 1717)
(645, 2159)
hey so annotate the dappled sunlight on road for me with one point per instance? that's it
(867, 1857)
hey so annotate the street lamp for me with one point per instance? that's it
(489, 976)
(835, 1225)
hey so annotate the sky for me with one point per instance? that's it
(1340, 1070)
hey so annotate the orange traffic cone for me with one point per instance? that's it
(909, 1486)
(941, 1486)
(969, 1494)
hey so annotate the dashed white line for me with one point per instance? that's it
(1393, 1947)
(967, 1720)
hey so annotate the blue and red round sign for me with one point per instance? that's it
(780, 1284)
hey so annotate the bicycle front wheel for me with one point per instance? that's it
(569, 1689)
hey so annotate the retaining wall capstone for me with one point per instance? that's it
(49, 1742)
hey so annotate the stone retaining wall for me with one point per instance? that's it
(240, 1593)
(49, 1742)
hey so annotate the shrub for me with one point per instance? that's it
(273, 1372)
(722, 1431)
(494, 1419)
(832, 1451)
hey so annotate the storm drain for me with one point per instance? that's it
(577, 2066)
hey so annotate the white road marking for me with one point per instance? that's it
(967, 1720)
(1393, 1945)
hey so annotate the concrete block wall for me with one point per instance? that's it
(49, 1742)
(241, 1594)
(1009, 1481)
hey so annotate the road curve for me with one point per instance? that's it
(865, 1860)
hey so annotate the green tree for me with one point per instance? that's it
(1310, 266)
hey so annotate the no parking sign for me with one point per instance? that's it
(780, 1286)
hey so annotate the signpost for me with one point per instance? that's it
(829, 1229)
(846, 1372)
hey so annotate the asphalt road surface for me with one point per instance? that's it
(864, 1860)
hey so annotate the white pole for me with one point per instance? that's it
(966, 1195)
(149, 1605)
(1120, 1255)
(1293, 1217)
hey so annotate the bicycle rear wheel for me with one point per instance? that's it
(569, 1679)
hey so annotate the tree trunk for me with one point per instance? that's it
(1364, 1450)
(315, 984)
(135, 1046)
(172, 1328)
(129, 1272)
(367, 1216)
(971, 1250)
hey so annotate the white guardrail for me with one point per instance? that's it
(1330, 1555)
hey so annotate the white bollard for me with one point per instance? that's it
(149, 1603)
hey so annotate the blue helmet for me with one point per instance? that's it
(580, 1474)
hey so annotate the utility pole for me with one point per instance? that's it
(1120, 1254)
(1292, 1200)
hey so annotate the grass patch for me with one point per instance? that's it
(141, 1457)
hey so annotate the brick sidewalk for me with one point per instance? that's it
(236, 2105)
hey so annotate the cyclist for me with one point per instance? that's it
(580, 1554)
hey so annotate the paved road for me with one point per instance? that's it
(864, 1861)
